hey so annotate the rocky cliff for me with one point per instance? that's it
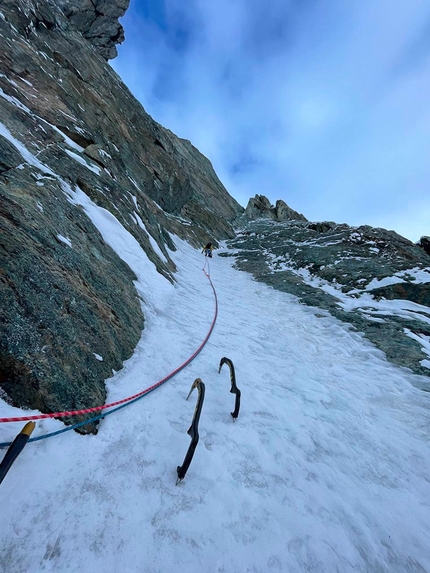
(259, 207)
(97, 20)
(72, 134)
(69, 126)
(373, 279)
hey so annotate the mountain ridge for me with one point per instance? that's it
(71, 129)
(70, 126)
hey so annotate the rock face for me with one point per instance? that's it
(63, 325)
(373, 279)
(72, 134)
(97, 20)
(259, 207)
(69, 127)
(424, 242)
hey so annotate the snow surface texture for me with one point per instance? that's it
(326, 469)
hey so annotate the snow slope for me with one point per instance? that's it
(327, 468)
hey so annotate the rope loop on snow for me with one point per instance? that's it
(207, 266)
(120, 403)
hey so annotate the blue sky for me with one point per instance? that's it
(321, 103)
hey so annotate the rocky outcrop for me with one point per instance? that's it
(259, 207)
(68, 126)
(424, 242)
(97, 20)
(360, 275)
(64, 327)
(285, 213)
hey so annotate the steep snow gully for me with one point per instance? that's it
(327, 468)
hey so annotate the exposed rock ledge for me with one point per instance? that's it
(259, 207)
(97, 20)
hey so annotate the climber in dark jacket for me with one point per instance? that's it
(207, 250)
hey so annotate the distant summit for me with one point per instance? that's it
(259, 207)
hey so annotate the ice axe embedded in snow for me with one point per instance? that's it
(234, 389)
(193, 431)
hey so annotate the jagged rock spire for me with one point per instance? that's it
(259, 207)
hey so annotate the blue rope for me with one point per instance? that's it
(80, 424)
(104, 414)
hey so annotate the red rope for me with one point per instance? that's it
(124, 400)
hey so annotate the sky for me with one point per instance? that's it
(326, 468)
(321, 103)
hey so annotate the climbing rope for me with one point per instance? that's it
(120, 403)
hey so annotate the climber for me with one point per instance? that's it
(207, 250)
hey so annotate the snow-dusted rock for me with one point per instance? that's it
(259, 207)
(372, 278)
(70, 126)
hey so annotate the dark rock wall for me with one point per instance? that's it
(97, 20)
(60, 304)
(424, 243)
(68, 123)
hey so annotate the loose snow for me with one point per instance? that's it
(151, 239)
(13, 100)
(26, 82)
(65, 240)
(66, 138)
(421, 338)
(326, 469)
(415, 275)
(83, 162)
(135, 184)
(26, 154)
